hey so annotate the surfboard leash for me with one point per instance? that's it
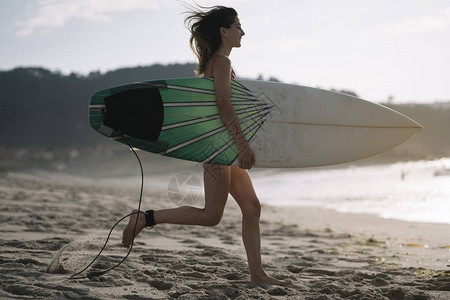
(98, 273)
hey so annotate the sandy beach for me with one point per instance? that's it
(53, 225)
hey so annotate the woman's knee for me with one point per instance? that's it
(251, 208)
(211, 218)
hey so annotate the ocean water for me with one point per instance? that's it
(411, 191)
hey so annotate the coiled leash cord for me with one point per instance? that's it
(98, 273)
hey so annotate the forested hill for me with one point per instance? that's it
(45, 109)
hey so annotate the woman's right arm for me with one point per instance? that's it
(222, 85)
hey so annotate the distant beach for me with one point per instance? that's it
(417, 191)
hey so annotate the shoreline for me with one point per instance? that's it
(53, 225)
(429, 243)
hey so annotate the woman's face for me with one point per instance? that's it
(234, 34)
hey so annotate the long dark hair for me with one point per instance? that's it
(205, 32)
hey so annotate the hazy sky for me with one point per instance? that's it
(376, 48)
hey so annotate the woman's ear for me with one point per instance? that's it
(223, 31)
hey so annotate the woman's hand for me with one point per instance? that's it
(246, 157)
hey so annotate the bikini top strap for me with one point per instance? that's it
(233, 75)
(212, 65)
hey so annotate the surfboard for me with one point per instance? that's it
(287, 126)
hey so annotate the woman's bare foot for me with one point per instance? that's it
(127, 236)
(267, 280)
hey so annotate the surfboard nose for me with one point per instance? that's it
(405, 121)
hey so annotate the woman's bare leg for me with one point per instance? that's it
(217, 184)
(241, 188)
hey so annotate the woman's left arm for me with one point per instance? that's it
(222, 85)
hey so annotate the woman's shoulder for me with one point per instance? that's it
(222, 63)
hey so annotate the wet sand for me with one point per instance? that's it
(53, 225)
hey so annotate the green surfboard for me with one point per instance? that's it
(176, 117)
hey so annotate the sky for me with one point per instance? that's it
(379, 49)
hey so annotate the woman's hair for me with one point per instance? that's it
(205, 32)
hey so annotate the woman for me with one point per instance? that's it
(213, 35)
